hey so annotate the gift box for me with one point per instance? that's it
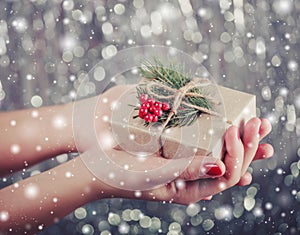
(204, 136)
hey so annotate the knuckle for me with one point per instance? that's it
(190, 173)
(234, 181)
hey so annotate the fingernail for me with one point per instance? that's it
(208, 198)
(212, 169)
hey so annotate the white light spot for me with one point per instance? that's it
(114, 105)
(55, 200)
(29, 77)
(105, 118)
(180, 184)
(13, 123)
(268, 206)
(4, 216)
(111, 175)
(250, 145)
(36, 101)
(282, 7)
(107, 28)
(137, 194)
(59, 122)
(62, 158)
(222, 185)
(119, 9)
(131, 137)
(106, 141)
(126, 167)
(246, 111)
(257, 212)
(168, 42)
(99, 73)
(40, 227)
(224, 213)
(15, 149)
(292, 65)
(68, 174)
(146, 31)
(109, 51)
(276, 61)
(20, 24)
(38, 148)
(211, 131)
(34, 114)
(31, 191)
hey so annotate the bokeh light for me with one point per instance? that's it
(48, 47)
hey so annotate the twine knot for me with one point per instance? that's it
(178, 95)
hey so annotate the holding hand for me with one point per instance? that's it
(187, 188)
(70, 185)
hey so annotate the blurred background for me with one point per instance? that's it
(48, 47)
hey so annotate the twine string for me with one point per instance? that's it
(179, 94)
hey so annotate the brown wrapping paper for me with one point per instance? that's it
(204, 137)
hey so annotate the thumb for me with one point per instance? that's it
(147, 172)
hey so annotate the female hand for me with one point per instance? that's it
(216, 176)
(55, 193)
(240, 153)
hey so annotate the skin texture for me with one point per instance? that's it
(36, 202)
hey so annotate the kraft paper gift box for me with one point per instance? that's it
(204, 137)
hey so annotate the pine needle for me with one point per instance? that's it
(175, 77)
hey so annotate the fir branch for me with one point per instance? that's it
(175, 77)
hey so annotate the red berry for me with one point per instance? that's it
(151, 101)
(158, 112)
(165, 106)
(157, 104)
(144, 111)
(152, 109)
(155, 118)
(145, 105)
(141, 115)
(143, 98)
(148, 117)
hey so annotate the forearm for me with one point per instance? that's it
(30, 136)
(43, 199)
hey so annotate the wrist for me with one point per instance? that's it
(95, 188)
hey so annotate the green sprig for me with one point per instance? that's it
(175, 77)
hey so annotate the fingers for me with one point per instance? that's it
(186, 189)
(264, 151)
(265, 128)
(197, 190)
(234, 156)
(250, 140)
(246, 179)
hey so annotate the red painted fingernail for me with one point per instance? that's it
(213, 169)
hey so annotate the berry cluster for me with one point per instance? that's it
(150, 109)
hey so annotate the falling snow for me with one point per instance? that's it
(48, 47)
(31, 191)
